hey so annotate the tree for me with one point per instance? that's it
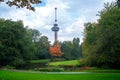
(76, 52)
(10, 42)
(41, 44)
(118, 3)
(71, 49)
(110, 30)
(16, 45)
(22, 3)
(55, 50)
(29, 46)
(101, 40)
(43, 48)
(35, 35)
(89, 41)
(67, 48)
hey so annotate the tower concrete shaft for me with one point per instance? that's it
(56, 37)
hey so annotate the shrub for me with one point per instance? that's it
(9, 67)
(50, 69)
(17, 62)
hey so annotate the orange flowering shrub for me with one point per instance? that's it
(55, 50)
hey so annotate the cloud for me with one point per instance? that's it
(71, 14)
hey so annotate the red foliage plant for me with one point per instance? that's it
(55, 50)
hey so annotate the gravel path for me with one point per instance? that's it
(67, 72)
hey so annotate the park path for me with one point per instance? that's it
(67, 72)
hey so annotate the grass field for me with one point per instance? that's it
(13, 75)
(58, 63)
(71, 62)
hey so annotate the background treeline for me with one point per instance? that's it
(101, 46)
(72, 49)
(19, 44)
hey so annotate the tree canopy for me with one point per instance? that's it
(22, 3)
(72, 49)
(15, 43)
(101, 44)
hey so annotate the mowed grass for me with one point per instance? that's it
(58, 63)
(13, 75)
(62, 63)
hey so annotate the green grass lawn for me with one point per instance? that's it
(59, 63)
(13, 75)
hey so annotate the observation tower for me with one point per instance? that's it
(55, 27)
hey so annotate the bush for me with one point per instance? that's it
(82, 62)
(50, 69)
(9, 67)
(17, 62)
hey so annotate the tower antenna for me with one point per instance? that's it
(55, 14)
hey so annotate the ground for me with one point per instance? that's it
(30, 75)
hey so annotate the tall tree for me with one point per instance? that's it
(67, 48)
(118, 3)
(15, 44)
(71, 49)
(110, 30)
(101, 43)
(88, 46)
(43, 47)
(35, 35)
(76, 52)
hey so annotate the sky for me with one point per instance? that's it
(71, 15)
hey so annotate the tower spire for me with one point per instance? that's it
(55, 27)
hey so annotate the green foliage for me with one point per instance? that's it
(71, 49)
(42, 48)
(50, 69)
(41, 44)
(15, 43)
(17, 62)
(9, 67)
(35, 35)
(101, 45)
(118, 3)
(44, 45)
(19, 44)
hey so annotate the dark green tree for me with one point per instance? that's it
(118, 3)
(109, 31)
(88, 46)
(43, 48)
(67, 48)
(35, 35)
(76, 52)
(71, 49)
(41, 44)
(101, 42)
(15, 43)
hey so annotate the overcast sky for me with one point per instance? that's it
(72, 14)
